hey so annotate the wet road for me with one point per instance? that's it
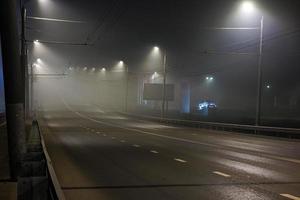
(102, 155)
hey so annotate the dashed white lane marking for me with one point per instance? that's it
(153, 151)
(221, 174)
(122, 141)
(180, 160)
(290, 196)
(136, 145)
(113, 138)
(104, 135)
(98, 132)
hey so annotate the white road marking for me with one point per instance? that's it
(98, 132)
(221, 174)
(104, 135)
(136, 145)
(113, 138)
(180, 160)
(194, 134)
(176, 138)
(153, 151)
(122, 141)
(290, 196)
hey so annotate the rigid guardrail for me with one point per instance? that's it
(264, 130)
(55, 191)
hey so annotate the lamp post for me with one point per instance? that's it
(164, 74)
(259, 74)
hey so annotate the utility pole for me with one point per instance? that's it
(24, 66)
(126, 94)
(259, 74)
(164, 85)
(13, 85)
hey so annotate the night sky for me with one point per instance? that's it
(127, 30)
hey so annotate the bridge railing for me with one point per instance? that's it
(264, 130)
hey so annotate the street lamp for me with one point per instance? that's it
(248, 7)
(123, 65)
(156, 49)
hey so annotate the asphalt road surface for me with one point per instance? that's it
(103, 155)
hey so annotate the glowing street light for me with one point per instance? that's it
(36, 42)
(268, 86)
(209, 78)
(103, 69)
(39, 60)
(247, 7)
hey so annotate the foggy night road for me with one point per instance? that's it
(103, 155)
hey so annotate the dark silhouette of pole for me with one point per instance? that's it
(259, 74)
(24, 65)
(164, 86)
(126, 94)
(13, 85)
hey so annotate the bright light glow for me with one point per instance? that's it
(39, 60)
(247, 6)
(268, 86)
(154, 75)
(85, 68)
(70, 68)
(36, 65)
(209, 78)
(103, 69)
(121, 62)
(206, 105)
(93, 69)
(156, 48)
(36, 42)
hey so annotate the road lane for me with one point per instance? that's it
(92, 165)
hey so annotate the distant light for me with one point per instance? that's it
(103, 69)
(268, 86)
(121, 62)
(93, 69)
(70, 68)
(209, 78)
(247, 6)
(85, 68)
(36, 42)
(36, 65)
(154, 75)
(39, 60)
(156, 48)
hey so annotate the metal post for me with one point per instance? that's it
(259, 74)
(164, 86)
(31, 90)
(24, 66)
(126, 95)
(13, 85)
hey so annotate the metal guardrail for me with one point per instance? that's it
(266, 130)
(55, 190)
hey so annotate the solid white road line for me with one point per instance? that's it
(221, 174)
(153, 151)
(136, 145)
(290, 196)
(180, 160)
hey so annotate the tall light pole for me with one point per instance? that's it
(126, 94)
(259, 74)
(164, 85)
